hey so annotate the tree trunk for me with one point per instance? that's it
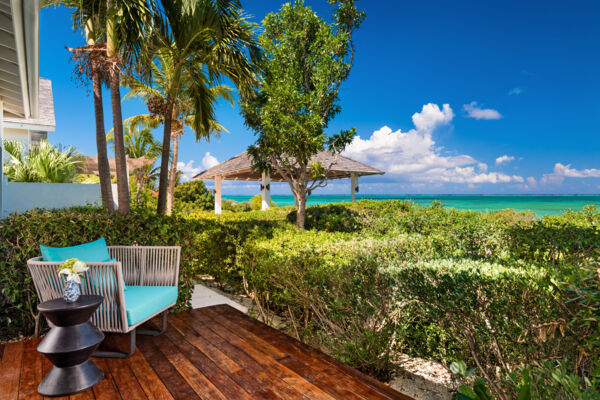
(138, 193)
(103, 167)
(164, 162)
(173, 173)
(120, 161)
(301, 213)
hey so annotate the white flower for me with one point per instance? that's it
(65, 271)
(79, 267)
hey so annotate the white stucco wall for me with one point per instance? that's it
(24, 196)
(19, 135)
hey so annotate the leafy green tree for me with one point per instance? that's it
(193, 195)
(305, 60)
(205, 40)
(42, 163)
(184, 110)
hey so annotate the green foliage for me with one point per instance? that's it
(512, 294)
(193, 196)
(256, 202)
(42, 163)
(235, 206)
(86, 178)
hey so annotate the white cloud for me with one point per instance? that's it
(531, 181)
(209, 161)
(431, 116)
(504, 159)
(474, 111)
(188, 170)
(412, 155)
(565, 171)
(516, 91)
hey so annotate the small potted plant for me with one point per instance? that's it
(73, 269)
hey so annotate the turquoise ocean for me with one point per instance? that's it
(540, 204)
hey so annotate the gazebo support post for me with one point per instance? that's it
(265, 189)
(353, 185)
(218, 181)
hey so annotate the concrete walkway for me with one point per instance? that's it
(205, 297)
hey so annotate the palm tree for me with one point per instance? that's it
(183, 113)
(43, 163)
(127, 25)
(204, 40)
(90, 65)
(139, 143)
(123, 24)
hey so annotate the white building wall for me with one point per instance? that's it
(24, 196)
(19, 135)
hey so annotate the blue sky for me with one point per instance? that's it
(447, 97)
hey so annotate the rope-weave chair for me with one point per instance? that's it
(136, 266)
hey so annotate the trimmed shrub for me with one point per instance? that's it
(207, 243)
(192, 196)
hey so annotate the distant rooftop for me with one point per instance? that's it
(46, 108)
(240, 168)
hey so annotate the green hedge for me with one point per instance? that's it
(207, 243)
(368, 280)
(368, 298)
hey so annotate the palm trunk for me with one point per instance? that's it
(103, 167)
(120, 161)
(164, 162)
(115, 97)
(173, 174)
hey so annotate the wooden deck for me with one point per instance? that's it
(209, 353)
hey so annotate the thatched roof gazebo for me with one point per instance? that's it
(239, 168)
(90, 164)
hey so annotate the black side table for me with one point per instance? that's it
(69, 345)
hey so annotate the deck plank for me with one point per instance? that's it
(149, 381)
(244, 379)
(126, 381)
(271, 365)
(106, 389)
(279, 387)
(10, 370)
(328, 379)
(351, 374)
(213, 353)
(31, 373)
(175, 383)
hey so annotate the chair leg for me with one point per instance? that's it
(119, 354)
(154, 332)
(132, 335)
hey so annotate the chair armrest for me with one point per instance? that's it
(102, 278)
(148, 265)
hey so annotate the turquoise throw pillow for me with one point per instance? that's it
(95, 251)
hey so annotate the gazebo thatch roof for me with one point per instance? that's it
(90, 164)
(239, 168)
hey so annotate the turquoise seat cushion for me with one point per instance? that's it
(95, 251)
(142, 302)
